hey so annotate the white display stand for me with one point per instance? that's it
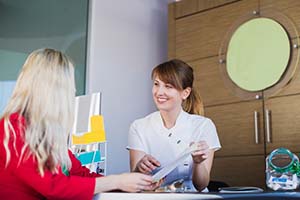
(88, 141)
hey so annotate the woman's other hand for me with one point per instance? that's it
(201, 152)
(147, 164)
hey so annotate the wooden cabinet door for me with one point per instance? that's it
(240, 171)
(284, 123)
(236, 128)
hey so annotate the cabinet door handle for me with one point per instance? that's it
(267, 124)
(256, 127)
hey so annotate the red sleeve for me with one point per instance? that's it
(51, 186)
(55, 186)
(79, 170)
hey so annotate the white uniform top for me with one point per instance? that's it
(151, 136)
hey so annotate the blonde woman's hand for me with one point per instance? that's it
(201, 152)
(136, 182)
(147, 164)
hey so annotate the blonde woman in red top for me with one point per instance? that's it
(33, 138)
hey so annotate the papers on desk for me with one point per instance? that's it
(172, 165)
(240, 189)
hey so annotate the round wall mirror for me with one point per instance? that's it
(258, 54)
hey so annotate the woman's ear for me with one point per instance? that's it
(186, 93)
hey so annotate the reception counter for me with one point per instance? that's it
(199, 196)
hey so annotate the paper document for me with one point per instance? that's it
(240, 189)
(172, 165)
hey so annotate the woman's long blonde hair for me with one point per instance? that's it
(44, 95)
(181, 76)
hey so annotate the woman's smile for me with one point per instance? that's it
(161, 99)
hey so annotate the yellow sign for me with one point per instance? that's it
(97, 133)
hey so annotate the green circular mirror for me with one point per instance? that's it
(258, 54)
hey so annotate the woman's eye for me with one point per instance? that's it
(155, 83)
(169, 86)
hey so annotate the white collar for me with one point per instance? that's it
(160, 123)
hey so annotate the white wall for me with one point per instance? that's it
(127, 39)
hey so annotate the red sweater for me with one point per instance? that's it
(24, 182)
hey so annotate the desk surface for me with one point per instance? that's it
(199, 196)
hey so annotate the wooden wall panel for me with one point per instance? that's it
(293, 87)
(235, 127)
(197, 34)
(209, 4)
(200, 35)
(240, 171)
(171, 32)
(290, 8)
(186, 7)
(209, 82)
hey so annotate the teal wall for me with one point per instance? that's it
(33, 24)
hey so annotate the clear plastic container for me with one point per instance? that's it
(282, 168)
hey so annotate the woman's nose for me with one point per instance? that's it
(160, 90)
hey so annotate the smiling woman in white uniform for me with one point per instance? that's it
(160, 137)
